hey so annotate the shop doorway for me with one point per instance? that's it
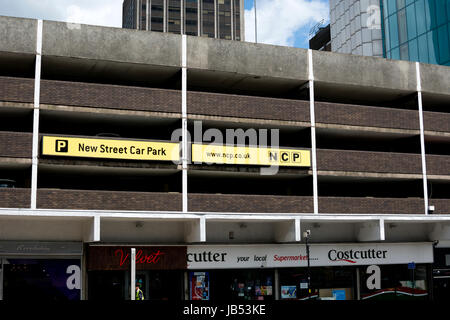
(155, 284)
(441, 285)
(441, 289)
(165, 285)
(441, 274)
(107, 285)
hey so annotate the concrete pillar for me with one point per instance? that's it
(184, 153)
(195, 231)
(37, 92)
(313, 132)
(92, 233)
(133, 275)
(422, 139)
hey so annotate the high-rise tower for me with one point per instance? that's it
(222, 19)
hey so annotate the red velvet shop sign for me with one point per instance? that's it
(147, 258)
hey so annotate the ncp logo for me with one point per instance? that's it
(285, 157)
(62, 146)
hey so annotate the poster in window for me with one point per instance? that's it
(288, 292)
(199, 285)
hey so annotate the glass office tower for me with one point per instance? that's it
(417, 30)
(207, 18)
(414, 30)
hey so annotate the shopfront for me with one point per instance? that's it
(337, 272)
(441, 274)
(49, 271)
(160, 272)
(232, 285)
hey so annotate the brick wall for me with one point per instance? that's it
(371, 205)
(436, 121)
(249, 203)
(16, 144)
(363, 161)
(438, 165)
(15, 198)
(247, 107)
(355, 115)
(160, 100)
(442, 206)
(110, 96)
(107, 200)
(16, 89)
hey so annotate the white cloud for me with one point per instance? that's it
(104, 13)
(279, 20)
(96, 12)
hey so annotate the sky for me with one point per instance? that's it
(280, 22)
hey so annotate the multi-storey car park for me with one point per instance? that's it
(374, 195)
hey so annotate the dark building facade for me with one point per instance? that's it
(321, 40)
(223, 19)
(106, 148)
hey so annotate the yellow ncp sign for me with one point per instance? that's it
(202, 153)
(109, 149)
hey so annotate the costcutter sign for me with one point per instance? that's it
(110, 149)
(321, 255)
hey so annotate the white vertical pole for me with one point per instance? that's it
(313, 132)
(298, 230)
(138, 16)
(216, 19)
(96, 229)
(199, 18)
(165, 16)
(184, 151)
(133, 275)
(422, 138)
(382, 232)
(37, 92)
(202, 229)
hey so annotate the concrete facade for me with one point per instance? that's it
(378, 130)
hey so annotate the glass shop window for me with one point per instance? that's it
(334, 283)
(399, 282)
